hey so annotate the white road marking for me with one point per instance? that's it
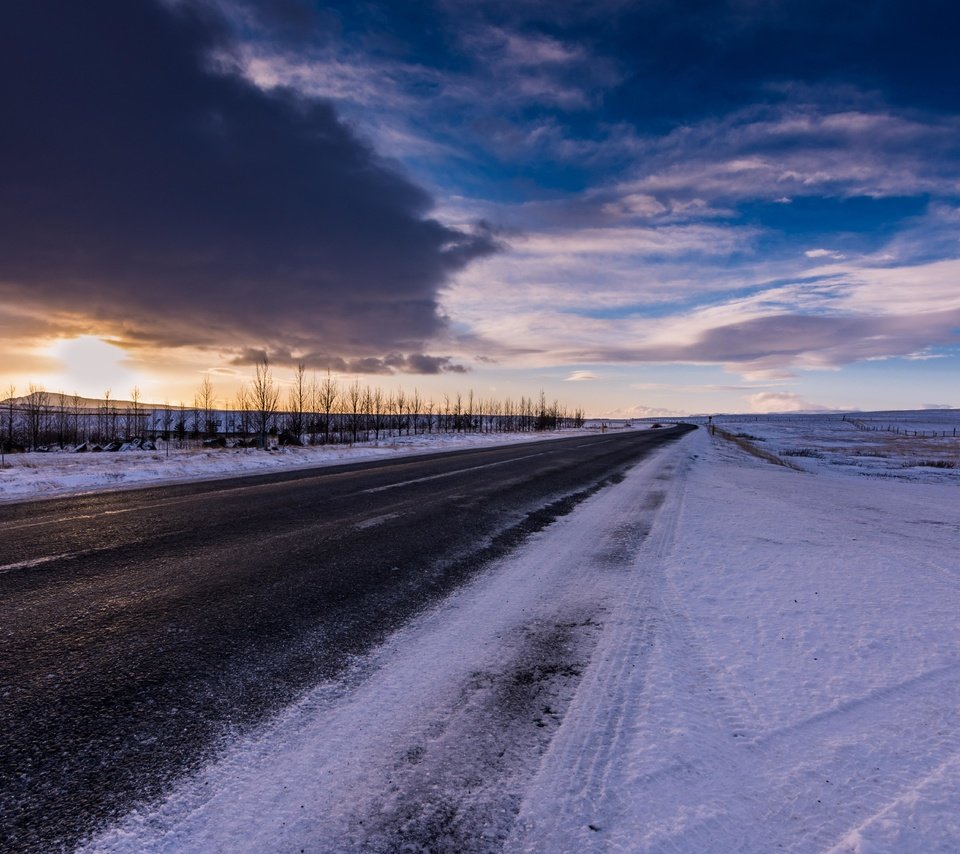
(373, 521)
(37, 561)
(449, 473)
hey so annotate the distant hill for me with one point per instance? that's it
(90, 403)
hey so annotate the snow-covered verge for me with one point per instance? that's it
(717, 654)
(42, 475)
(783, 672)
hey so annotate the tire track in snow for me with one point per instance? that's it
(459, 787)
(571, 800)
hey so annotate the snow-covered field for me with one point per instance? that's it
(43, 475)
(922, 445)
(733, 656)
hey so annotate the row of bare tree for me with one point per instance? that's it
(314, 410)
(41, 419)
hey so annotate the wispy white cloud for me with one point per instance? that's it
(824, 253)
(670, 240)
(798, 150)
(852, 312)
(640, 410)
(781, 401)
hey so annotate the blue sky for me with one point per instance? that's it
(649, 206)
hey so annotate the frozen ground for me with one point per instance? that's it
(716, 654)
(43, 475)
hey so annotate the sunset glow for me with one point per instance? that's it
(646, 207)
(90, 366)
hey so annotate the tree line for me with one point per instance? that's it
(313, 410)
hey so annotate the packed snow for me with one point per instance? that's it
(742, 656)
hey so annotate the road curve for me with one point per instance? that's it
(139, 628)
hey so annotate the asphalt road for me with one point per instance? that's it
(138, 629)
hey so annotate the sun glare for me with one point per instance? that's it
(90, 365)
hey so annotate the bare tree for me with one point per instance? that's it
(107, 421)
(415, 406)
(205, 406)
(378, 407)
(10, 418)
(354, 400)
(298, 399)
(134, 420)
(60, 418)
(78, 412)
(10, 414)
(264, 396)
(329, 392)
(458, 413)
(100, 428)
(36, 410)
(313, 398)
(243, 407)
(398, 405)
(542, 412)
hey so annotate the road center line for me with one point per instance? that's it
(37, 561)
(373, 521)
(450, 473)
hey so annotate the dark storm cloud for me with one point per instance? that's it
(177, 203)
(410, 363)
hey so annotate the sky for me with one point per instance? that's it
(641, 207)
